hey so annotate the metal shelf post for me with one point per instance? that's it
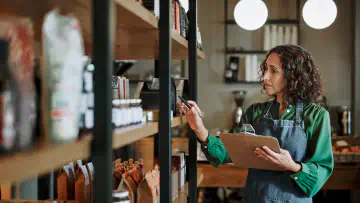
(193, 96)
(101, 149)
(165, 107)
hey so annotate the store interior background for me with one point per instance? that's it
(331, 49)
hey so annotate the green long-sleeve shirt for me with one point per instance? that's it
(319, 162)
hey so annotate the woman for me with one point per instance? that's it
(288, 74)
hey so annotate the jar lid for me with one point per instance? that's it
(116, 102)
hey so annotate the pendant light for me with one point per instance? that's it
(250, 14)
(319, 14)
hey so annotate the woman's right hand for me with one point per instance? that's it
(194, 119)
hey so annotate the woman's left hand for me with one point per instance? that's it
(283, 159)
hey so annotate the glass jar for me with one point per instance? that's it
(122, 111)
(126, 112)
(115, 112)
(132, 111)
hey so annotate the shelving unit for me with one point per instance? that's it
(269, 22)
(247, 52)
(136, 35)
(231, 22)
(124, 30)
(242, 82)
(55, 156)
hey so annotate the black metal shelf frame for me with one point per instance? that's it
(242, 82)
(272, 21)
(101, 149)
(247, 52)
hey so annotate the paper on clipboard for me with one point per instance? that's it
(240, 148)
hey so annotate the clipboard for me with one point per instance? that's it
(240, 148)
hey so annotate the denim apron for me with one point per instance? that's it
(278, 186)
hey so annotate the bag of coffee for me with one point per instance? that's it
(91, 172)
(82, 185)
(149, 188)
(66, 184)
(129, 184)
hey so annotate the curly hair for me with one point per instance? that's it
(302, 77)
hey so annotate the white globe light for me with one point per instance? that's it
(250, 14)
(319, 14)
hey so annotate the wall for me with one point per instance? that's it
(331, 49)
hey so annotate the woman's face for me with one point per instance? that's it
(274, 81)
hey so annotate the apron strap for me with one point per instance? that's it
(267, 110)
(299, 111)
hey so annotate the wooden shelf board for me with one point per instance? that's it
(136, 36)
(43, 159)
(125, 136)
(183, 192)
(27, 164)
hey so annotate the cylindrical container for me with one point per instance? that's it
(287, 35)
(254, 67)
(294, 35)
(115, 112)
(274, 42)
(127, 112)
(248, 68)
(280, 39)
(234, 66)
(122, 113)
(344, 118)
(267, 38)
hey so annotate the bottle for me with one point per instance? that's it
(344, 118)
(294, 35)
(234, 66)
(280, 39)
(9, 103)
(267, 38)
(287, 35)
(228, 74)
(274, 42)
(248, 74)
(254, 67)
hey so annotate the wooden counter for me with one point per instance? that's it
(344, 177)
